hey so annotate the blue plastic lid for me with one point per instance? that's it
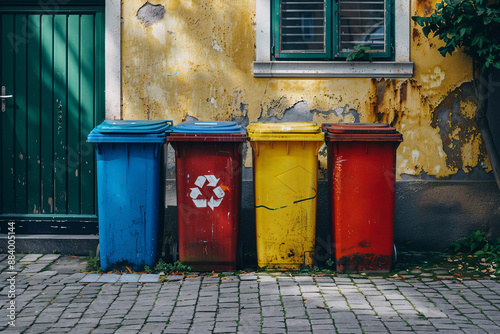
(133, 127)
(208, 127)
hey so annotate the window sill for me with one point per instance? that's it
(324, 69)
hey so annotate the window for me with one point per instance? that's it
(301, 38)
(328, 29)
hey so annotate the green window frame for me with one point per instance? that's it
(329, 29)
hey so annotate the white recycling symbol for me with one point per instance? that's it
(218, 192)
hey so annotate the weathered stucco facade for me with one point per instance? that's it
(194, 58)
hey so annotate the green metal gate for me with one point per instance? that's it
(52, 81)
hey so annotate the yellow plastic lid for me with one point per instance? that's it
(285, 131)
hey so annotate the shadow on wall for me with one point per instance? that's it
(493, 114)
(431, 215)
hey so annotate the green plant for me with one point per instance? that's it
(360, 54)
(471, 243)
(477, 245)
(177, 266)
(93, 263)
(161, 266)
(472, 25)
(147, 269)
(330, 262)
(55, 251)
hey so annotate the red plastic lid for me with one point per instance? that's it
(361, 132)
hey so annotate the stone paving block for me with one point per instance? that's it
(49, 258)
(273, 331)
(473, 330)
(90, 278)
(224, 329)
(108, 278)
(298, 324)
(128, 278)
(30, 258)
(248, 277)
(128, 329)
(149, 278)
(103, 330)
(34, 268)
(78, 329)
(175, 278)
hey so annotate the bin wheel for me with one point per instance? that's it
(98, 251)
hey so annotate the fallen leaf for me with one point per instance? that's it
(318, 275)
(129, 270)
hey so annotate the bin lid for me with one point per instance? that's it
(361, 132)
(128, 131)
(284, 131)
(217, 131)
(208, 127)
(133, 127)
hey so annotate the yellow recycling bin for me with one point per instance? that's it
(285, 166)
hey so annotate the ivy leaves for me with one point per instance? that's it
(360, 53)
(472, 25)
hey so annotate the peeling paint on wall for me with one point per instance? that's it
(195, 61)
(149, 14)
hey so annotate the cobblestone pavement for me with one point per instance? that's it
(53, 296)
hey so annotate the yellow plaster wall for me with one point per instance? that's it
(197, 61)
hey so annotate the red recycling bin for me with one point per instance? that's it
(361, 172)
(208, 171)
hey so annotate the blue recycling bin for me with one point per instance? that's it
(129, 155)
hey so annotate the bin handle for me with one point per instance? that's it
(255, 148)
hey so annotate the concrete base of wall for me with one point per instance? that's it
(48, 243)
(429, 215)
(432, 214)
